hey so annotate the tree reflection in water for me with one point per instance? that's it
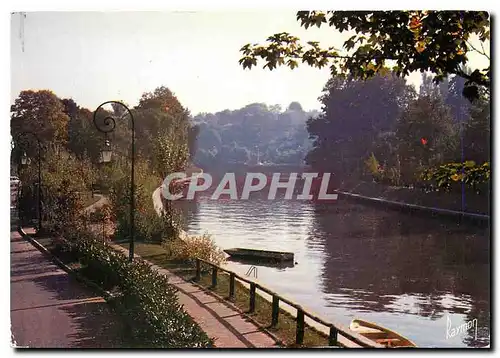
(377, 257)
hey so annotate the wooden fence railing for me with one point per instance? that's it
(334, 329)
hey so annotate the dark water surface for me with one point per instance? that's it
(417, 275)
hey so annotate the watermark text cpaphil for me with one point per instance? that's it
(314, 186)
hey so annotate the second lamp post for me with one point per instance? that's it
(24, 161)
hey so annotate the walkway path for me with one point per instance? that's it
(50, 309)
(228, 326)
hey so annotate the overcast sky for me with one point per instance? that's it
(93, 57)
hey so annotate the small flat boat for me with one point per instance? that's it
(381, 335)
(259, 254)
(273, 263)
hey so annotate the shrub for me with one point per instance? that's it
(148, 225)
(192, 247)
(373, 167)
(100, 214)
(63, 209)
(448, 175)
(148, 304)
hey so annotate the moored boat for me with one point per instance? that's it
(380, 334)
(259, 254)
(273, 263)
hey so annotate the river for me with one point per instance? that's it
(420, 276)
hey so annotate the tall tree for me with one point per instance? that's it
(354, 113)
(41, 112)
(83, 138)
(459, 106)
(160, 114)
(477, 132)
(427, 136)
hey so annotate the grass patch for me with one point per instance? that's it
(286, 328)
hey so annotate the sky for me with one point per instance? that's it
(98, 56)
(94, 57)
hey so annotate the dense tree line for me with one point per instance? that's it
(383, 128)
(64, 124)
(256, 132)
(71, 146)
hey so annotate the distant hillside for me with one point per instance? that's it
(254, 133)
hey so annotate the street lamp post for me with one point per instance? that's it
(108, 125)
(25, 161)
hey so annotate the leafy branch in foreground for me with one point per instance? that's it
(397, 41)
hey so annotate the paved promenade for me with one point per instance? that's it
(49, 309)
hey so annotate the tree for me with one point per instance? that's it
(295, 106)
(477, 132)
(160, 116)
(429, 88)
(41, 112)
(162, 98)
(170, 147)
(354, 113)
(427, 135)
(460, 107)
(402, 41)
(83, 138)
(65, 181)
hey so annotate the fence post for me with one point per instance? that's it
(214, 276)
(231, 285)
(332, 338)
(299, 338)
(198, 270)
(276, 311)
(252, 297)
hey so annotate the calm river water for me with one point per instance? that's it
(420, 276)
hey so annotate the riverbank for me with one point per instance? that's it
(228, 326)
(439, 201)
(284, 332)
